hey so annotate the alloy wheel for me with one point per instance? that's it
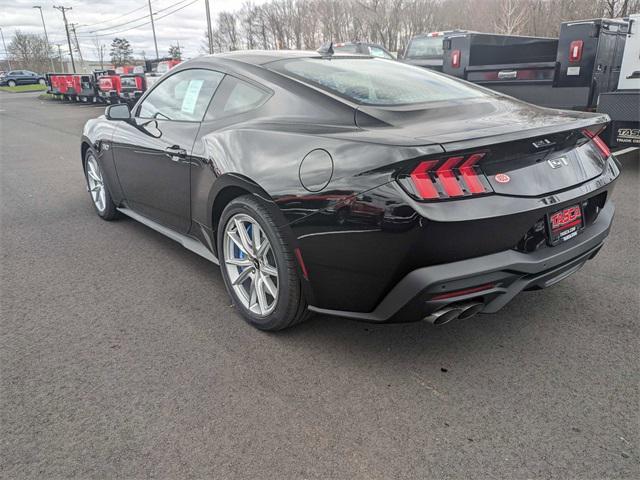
(251, 264)
(96, 183)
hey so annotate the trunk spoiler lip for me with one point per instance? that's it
(491, 138)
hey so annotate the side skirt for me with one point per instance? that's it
(186, 241)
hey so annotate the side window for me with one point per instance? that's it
(378, 52)
(236, 96)
(183, 96)
(352, 48)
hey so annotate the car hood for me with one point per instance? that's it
(472, 122)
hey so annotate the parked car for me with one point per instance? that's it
(22, 77)
(459, 198)
(363, 48)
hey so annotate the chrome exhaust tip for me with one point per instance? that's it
(471, 309)
(444, 315)
(454, 311)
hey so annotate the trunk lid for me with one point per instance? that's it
(529, 150)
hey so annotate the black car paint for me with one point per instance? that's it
(363, 233)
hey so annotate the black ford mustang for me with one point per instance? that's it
(355, 186)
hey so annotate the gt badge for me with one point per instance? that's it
(557, 162)
(502, 178)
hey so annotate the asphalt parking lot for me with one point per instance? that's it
(121, 357)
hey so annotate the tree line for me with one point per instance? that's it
(307, 24)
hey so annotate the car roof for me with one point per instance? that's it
(262, 57)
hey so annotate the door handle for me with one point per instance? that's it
(176, 153)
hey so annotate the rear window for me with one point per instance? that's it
(375, 81)
(425, 47)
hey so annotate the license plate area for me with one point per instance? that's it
(564, 224)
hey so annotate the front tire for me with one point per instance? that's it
(11, 83)
(258, 267)
(42, 81)
(100, 196)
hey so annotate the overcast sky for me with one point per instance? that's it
(106, 17)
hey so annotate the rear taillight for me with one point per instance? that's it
(455, 59)
(598, 142)
(456, 176)
(575, 51)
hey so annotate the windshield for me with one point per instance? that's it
(425, 47)
(375, 81)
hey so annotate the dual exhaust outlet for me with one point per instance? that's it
(454, 311)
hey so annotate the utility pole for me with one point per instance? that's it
(209, 32)
(73, 29)
(66, 27)
(6, 53)
(153, 28)
(46, 37)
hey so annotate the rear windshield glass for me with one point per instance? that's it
(375, 81)
(425, 47)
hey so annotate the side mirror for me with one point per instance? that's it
(119, 111)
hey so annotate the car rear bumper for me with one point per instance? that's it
(503, 275)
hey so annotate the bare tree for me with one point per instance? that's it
(29, 51)
(306, 24)
(511, 17)
(99, 49)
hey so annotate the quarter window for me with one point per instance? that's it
(183, 96)
(236, 96)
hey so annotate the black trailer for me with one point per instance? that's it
(623, 104)
(590, 57)
(520, 66)
(570, 72)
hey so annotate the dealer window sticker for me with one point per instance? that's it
(191, 96)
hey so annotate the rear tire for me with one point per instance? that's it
(42, 81)
(258, 267)
(100, 196)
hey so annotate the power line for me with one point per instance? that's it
(114, 18)
(142, 24)
(134, 20)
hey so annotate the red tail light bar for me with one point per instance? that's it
(598, 142)
(455, 59)
(575, 51)
(456, 176)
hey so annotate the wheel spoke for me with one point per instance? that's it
(262, 298)
(243, 276)
(237, 241)
(264, 248)
(244, 237)
(252, 294)
(269, 270)
(271, 288)
(239, 262)
(94, 176)
(256, 241)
